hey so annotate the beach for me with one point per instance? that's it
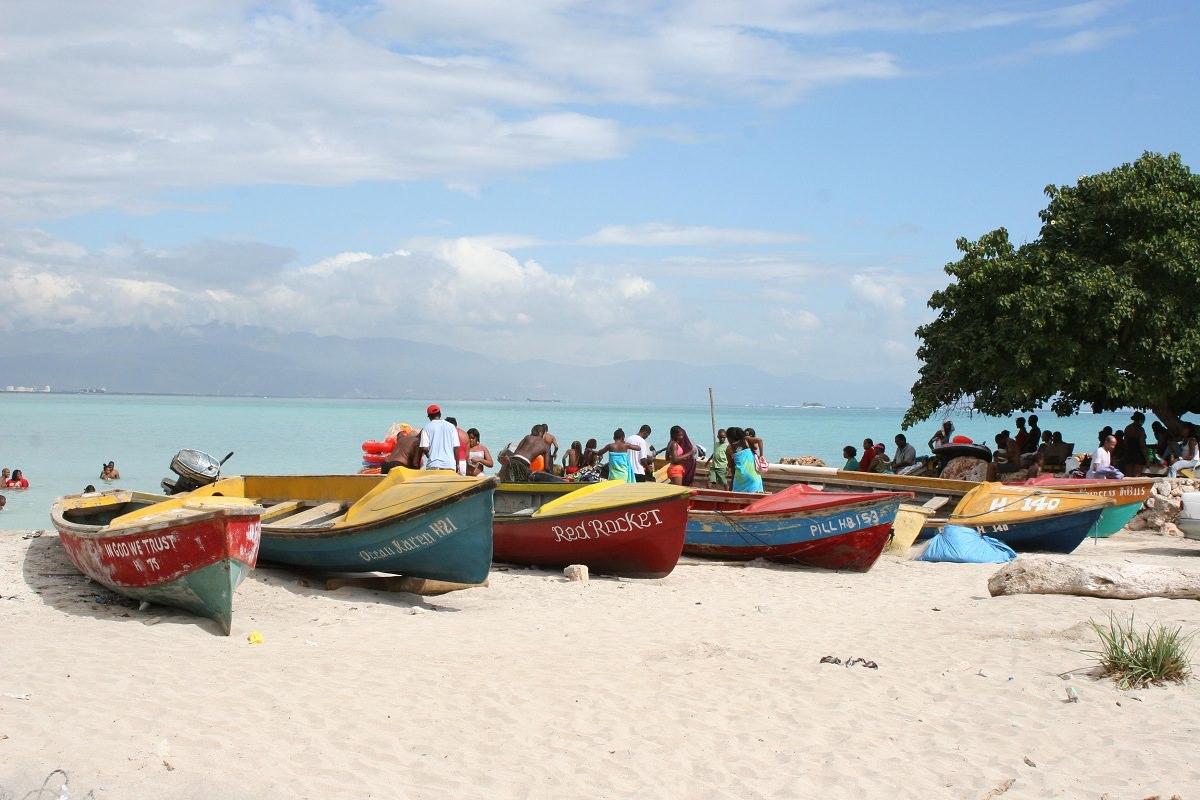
(704, 684)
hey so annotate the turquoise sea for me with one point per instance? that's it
(60, 441)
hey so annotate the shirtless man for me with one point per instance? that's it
(406, 453)
(517, 470)
(551, 443)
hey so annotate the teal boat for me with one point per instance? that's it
(1128, 496)
(423, 524)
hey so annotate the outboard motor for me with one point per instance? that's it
(195, 469)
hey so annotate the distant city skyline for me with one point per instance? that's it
(772, 184)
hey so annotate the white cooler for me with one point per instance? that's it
(1189, 515)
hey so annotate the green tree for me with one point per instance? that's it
(1101, 310)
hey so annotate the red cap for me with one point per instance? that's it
(433, 409)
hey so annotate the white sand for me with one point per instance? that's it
(704, 684)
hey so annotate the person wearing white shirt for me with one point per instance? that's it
(1101, 466)
(438, 441)
(639, 466)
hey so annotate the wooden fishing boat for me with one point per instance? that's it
(632, 530)
(1030, 517)
(190, 555)
(424, 524)
(924, 489)
(1128, 496)
(801, 525)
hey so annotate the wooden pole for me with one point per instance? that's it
(712, 413)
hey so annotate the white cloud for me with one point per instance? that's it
(661, 234)
(882, 290)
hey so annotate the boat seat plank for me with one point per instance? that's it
(311, 516)
(276, 510)
(935, 503)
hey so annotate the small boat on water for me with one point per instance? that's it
(801, 525)
(1127, 494)
(1029, 517)
(191, 555)
(632, 530)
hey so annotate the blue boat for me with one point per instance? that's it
(801, 525)
(1030, 518)
(423, 524)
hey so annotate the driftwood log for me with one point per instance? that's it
(1034, 575)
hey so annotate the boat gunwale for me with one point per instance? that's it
(279, 533)
(79, 530)
(770, 516)
(509, 519)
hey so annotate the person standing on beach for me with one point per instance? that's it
(479, 457)
(1022, 436)
(643, 453)
(1133, 450)
(745, 476)
(530, 449)
(1034, 435)
(681, 458)
(439, 441)
(406, 452)
(590, 459)
(718, 463)
(551, 444)
(622, 455)
(460, 452)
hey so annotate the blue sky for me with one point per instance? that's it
(774, 183)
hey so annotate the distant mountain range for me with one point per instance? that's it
(251, 361)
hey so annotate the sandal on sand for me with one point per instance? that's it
(831, 660)
(863, 661)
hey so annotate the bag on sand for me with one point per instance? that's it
(961, 545)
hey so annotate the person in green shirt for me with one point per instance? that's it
(849, 452)
(718, 463)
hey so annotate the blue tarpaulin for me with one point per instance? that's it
(966, 546)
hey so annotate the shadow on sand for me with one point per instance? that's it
(52, 577)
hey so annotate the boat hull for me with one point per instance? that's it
(1127, 495)
(1048, 535)
(641, 540)
(849, 537)
(450, 542)
(193, 564)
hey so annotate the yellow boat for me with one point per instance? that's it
(1030, 517)
(425, 524)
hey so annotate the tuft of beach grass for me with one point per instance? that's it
(1136, 659)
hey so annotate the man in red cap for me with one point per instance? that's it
(438, 440)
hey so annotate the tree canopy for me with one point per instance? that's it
(1101, 310)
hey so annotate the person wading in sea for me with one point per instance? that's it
(518, 469)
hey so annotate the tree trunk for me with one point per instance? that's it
(1169, 418)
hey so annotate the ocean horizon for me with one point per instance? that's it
(60, 440)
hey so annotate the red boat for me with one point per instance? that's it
(801, 525)
(186, 553)
(632, 530)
